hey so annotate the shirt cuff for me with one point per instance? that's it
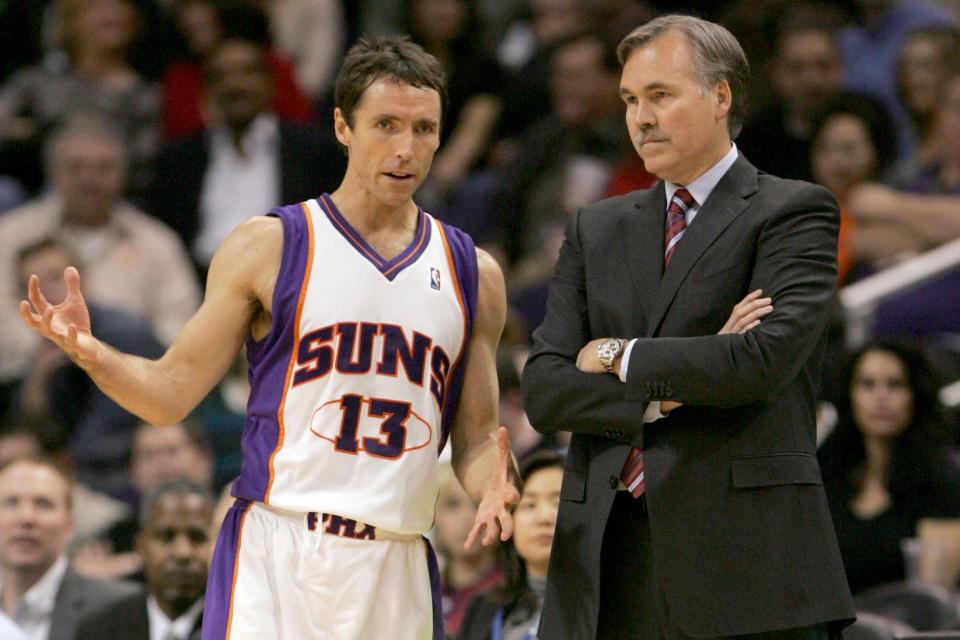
(652, 414)
(625, 360)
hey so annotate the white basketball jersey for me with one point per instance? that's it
(354, 389)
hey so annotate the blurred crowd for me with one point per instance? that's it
(136, 134)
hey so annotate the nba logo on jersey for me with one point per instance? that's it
(434, 279)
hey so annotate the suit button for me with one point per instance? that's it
(614, 482)
(668, 391)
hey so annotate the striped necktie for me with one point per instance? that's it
(676, 222)
(632, 473)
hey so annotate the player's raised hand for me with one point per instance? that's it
(494, 514)
(747, 313)
(66, 324)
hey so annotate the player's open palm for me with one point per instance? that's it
(494, 514)
(66, 324)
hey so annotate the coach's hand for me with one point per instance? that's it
(493, 514)
(66, 324)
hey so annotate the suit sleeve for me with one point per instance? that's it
(796, 265)
(557, 395)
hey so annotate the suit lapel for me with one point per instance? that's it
(725, 203)
(643, 240)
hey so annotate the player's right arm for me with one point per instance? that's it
(237, 300)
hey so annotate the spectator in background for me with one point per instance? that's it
(566, 160)
(449, 30)
(869, 50)
(71, 413)
(312, 35)
(133, 263)
(936, 170)
(175, 547)
(527, 52)
(159, 455)
(204, 24)
(804, 73)
(93, 512)
(512, 610)
(41, 593)
(886, 465)
(853, 143)
(928, 56)
(246, 162)
(922, 210)
(97, 36)
(464, 572)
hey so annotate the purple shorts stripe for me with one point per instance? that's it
(222, 579)
(434, 570)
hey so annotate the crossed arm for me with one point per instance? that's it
(795, 264)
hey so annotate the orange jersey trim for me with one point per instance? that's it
(463, 308)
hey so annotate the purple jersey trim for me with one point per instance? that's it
(219, 595)
(270, 357)
(433, 568)
(465, 264)
(389, 268)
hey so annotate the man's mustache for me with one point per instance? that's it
(652, 135)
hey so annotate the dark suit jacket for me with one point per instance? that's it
(310, 164)
(79, 596)
(742, 536)
(128, 615)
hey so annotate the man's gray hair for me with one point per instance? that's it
(88, 124)
(716, 56)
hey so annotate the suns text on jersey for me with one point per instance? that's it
(348, 348)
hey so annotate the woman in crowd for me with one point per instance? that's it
(96, 76)
(464, 572)
(853, 144)
(512, 612)
(886, 466)
(928, 55)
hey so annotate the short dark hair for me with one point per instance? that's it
(876, 119)
(194, 431)
(717, 55)
(396, 57)
(178, 487)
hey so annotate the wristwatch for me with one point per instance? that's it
(609, 350)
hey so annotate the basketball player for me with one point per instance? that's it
(364, 318)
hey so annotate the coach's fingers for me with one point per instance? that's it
(746, 322)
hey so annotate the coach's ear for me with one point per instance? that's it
(342, 128)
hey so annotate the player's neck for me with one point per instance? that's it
(369, 215)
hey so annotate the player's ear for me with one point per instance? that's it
(341, 127)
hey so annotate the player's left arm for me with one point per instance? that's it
(481, 448)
